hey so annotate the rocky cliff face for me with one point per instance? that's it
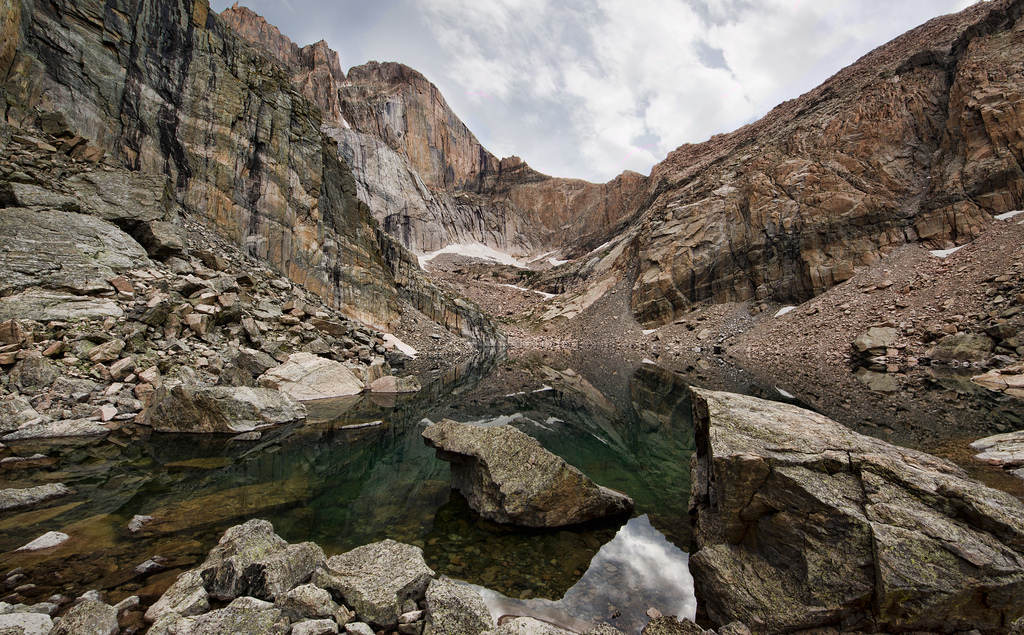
(917, 141)
(425, 176)
(168, 88)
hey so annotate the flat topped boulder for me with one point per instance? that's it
(508, 477)
(801, 523)
(308, 377)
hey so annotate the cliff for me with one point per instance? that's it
(167, 88)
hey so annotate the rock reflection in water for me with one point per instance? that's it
(638, 570)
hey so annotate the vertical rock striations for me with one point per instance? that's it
(168, 88)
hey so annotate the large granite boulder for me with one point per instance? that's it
(184, 408)
(801, 523)
(455, 609)
(307, 377)
(243, 615)
(377, 580)
(508, 477)
(88, 618)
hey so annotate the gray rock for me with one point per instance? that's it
(244, 615)
(358, 628)
(508, 477)
(230, 409)
(163, 240)
(25, 624)
(455, 609)
(34, 374)
(251, 559)
(875, 341)
(603, 629)
(26, 497)
(669, 625)
(528, 626)
(15, 411)
(44, 306)
(801, 523)
(306, 377)
(315, 627)
(57, 429)
(306, 602)
(88, 618)
(47, 541)
(186, 597)
(62, 251)
(963, 347)
(376, 580)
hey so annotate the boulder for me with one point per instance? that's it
(47, 541)
(244, 615)
(251, 560)
(377, 580)
(306, 602)
(802, 523)
(455, 609)
(16, 498)
(186, 597)
(65, 428)
(88, 618)
(875, 341)
(963, 347)
(230, 409)
(16, 411)
(44, 306)
(33, 374)
(306, 377)
(1005, 450)
(26, 624)
(315, 627)
(508, 477)
(528, 626)
(1008, 380)
(392, 384)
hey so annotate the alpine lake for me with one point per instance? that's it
(358, 471)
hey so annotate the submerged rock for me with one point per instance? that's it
(508, 477)
(801, 523)
(1005, 450)
(229, 409)
(26, 497)
(48, 540)
(377, 580)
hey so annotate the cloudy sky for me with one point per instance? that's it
(589, 88)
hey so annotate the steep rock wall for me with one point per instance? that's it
(168, 88)
(919, 140)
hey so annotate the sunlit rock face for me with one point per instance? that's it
(917, 141)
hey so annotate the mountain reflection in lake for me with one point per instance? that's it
(360, 472)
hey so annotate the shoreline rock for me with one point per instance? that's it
(508, 477)
(801, 523)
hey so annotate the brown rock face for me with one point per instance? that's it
(919, 140)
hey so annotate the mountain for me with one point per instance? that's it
(168, 88)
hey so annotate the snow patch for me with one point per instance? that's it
(650, 362)
(474, 250)
(546, 296)
(942, 253)
(1009, 215)
(391, 341)
(650, 331)
(784, 393)
(784, 310)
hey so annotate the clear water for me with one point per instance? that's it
(343, 483)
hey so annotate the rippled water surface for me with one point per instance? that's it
(360, 472)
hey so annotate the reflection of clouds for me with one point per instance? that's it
(636, 570)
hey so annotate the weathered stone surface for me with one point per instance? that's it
(186, 597)
(377, 580)
(26, 624)
(802, 523)
(47, 541)
(306, 377)
(57, 430)
(527, 626)
(875, 341)
(88, 618)
(306, 602)
(225, 409)
(963, 347)
(1008, 380)
(315, 627)
(26, 497)
(33, 374)
(508, 477)
(224, 571)
(392, 384)
(244, 615)
(62, 251)
(1006, 450)
(15, 411)
(669, 625)
(455, 609)
(43, 306)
